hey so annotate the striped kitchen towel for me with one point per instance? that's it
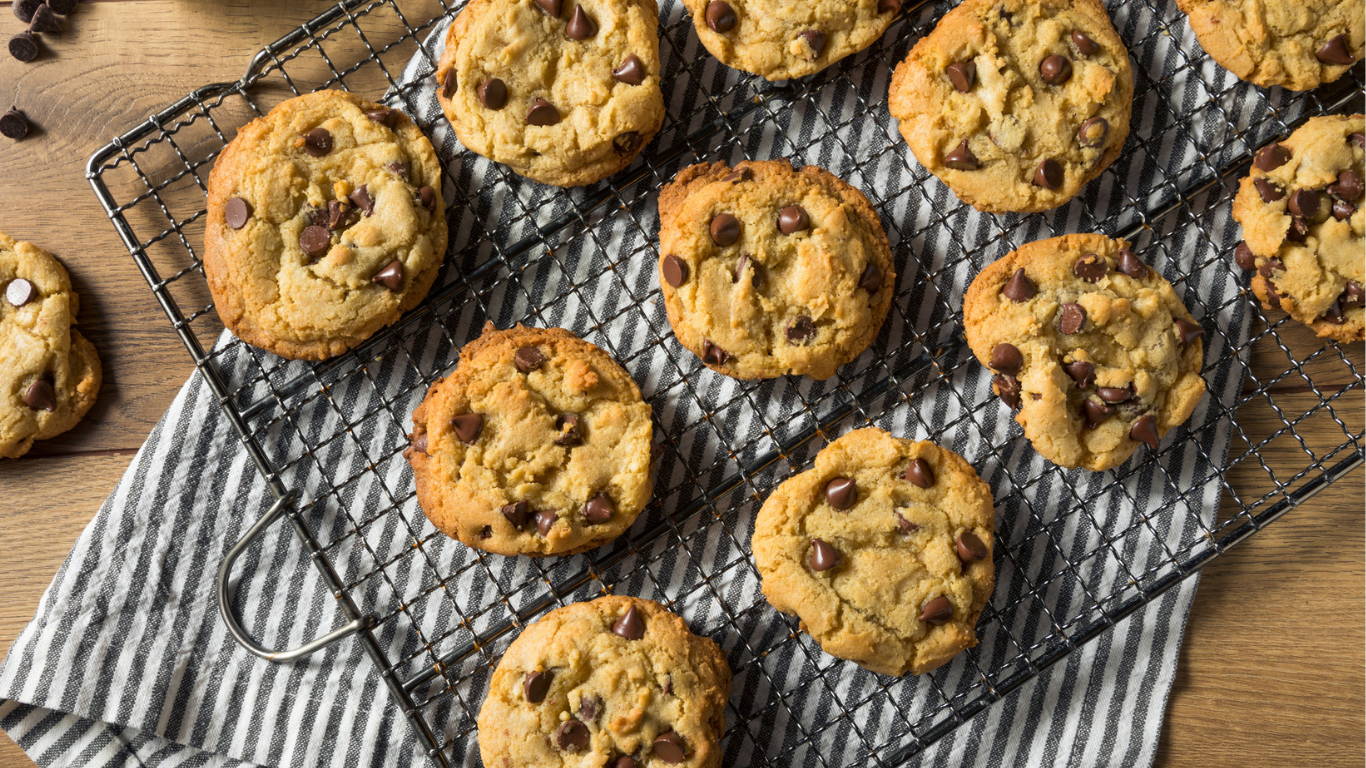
(128, 663)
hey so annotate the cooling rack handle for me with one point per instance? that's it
(229, 612)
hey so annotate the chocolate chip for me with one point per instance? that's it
(714, 355)
(802, 330)
(468, 426)
(493, 93)
(1055, 69)
(1188, 331)
(841, 493)
(391, 276)
(792, 219)
(427, 196)
(567, 424)
(571, 736)
(1271, 265)
(236, 212)
(720, 16)
(25, 9)
(1336, 51)
(318, 142)
(589, 708)
(1145, 430)
(552, 8)
(14, 124)
(545, 520)
(1304, 202)
(1268, 190)
(969, 547)
(64, 7)
(1019, 287)
(1006, 358)
(675, 270)
(738, 175)
(44, 20)
(398, 169)
(631, 71)
(624, 761)
(19, 292)
(527, 359)
(599, 509)
(746, 264)
(1348, 187)
(314, 241)
(625, 143)
(1353, 295)
(339, 215)
(725, 229)
(1243, 256)
(871, 279)
(820, 556)
(1048, 174)
(888, 6)
(1094, 412)
(919, 473)
(903, 526)
(1271, 157)
(936, 611)
(1081, 372)
(631, 625)
(1085, 45)
(1357, 139)
(24, 47)
(1334, 313)
(518, 513)
(1131, 265)
(449, 83)
(1090, 267)
(362, 200)
(40, 395)
(486, 532)
(1008, 389)
(1343, 210)
(963, 75)
(668, 746)
(581, 26)
(542, 112)
(536, 685)
(961, 158)
(1114, 394)
(1298, 230)
(815, 40)
(1272, 297)
(1092, 132)
(384, 116)
(1071, 318)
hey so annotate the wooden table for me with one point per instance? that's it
(1272, 666)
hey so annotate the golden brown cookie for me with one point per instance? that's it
(325, 224)
(767, 270)
(537, 444)
(883, 550)
(1297, 44)
(565, 92)
(1090, 345)
(49, 373)
(1301, 211)
(1016, 104)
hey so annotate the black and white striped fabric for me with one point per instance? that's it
(128, 663)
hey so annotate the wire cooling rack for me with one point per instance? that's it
(1077, 551)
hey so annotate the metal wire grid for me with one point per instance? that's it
(1077, 552)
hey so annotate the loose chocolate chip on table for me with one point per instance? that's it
(493, 93)
(725, 229)
(630, 626)
(528, 359)
(599, 509)
(44, 20)
(1353, 295)
(427, 196)
(668, 746)
(517, 513)
(467, 426)
(14, 124)
(64, 7)
(391, 276)
(871, 279)
(1048, 174)
(815, 40)
(919, 473)
(1348, 186)
(1019, 287)
(552, 8)
(821, 556)
(1093, 131)
(801, 330)
(1188, 331)
(40, 396)
(1304, 202)
(1144, 430)
(236, 212)
(969, 547)
(1268, 190)
(675, 270)
(545, 520)
(936, 611)
(1090, 267)
(1335, 51)
(961, 158)
(1131, 265)
(841, 493)
(1114, 394)
(542, 112)
(1094, 412)
(792, 219)
(589, 708)
(962, 74)
(1271, 157)
(384, 116)
(1271, 265)
(362, 200)
(24, 9)
(1243, 256)
(1071, 318)
(1085, 45)
(314, 241)
(903, 525)
(720, 16)
(1008, 389)
(626, 142)
(536, 685)
(581, 26)
(1055, 69)
(1006, 358)
(630, 71)
(19, 292)
(571, 736)
(24, 46)
(318, 142)
(1081, 372)
(714, 355)
(567, 424)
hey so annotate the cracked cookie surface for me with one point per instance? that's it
(1091, 347)
(596, 682)
(1297, 45)
(325, 223)
(49, 372)
(779, 40)
(1016, 104)
(767, 270)
(564, 92)
(883, 550)
(537, 444)
(1300, 207)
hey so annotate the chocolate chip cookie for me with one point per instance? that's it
(1297, 44)
(1089, 345)
(325, 223)
(883, 550)
(778, 40)
(565, 92)
(1301, 211)
(49, 373)
(537, 444)
(767, 270)
(618, 682)
(1016, 104)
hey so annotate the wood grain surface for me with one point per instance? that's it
(1272, 667)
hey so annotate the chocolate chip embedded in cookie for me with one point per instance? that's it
(893, 568)
(777, 41)
(537, 444)
(565, 93)
(574, 690)
(1298, 44)
(1016, 104)
(769, 271)
(1301, 211)
(325, 223)
(1088, 344)
(49, 373)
